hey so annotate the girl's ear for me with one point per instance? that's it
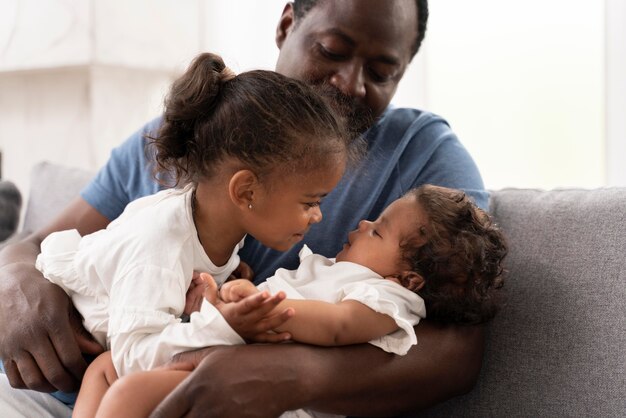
(411, 280)
(242, 187)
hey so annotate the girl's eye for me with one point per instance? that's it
(313, 204)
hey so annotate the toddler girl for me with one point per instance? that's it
(250, 154)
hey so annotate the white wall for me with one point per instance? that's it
(524, 84)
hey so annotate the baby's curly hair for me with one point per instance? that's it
(459, 253)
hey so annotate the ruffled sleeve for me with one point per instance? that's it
(389, 298)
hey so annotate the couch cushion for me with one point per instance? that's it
(53, 186)
(10, 205)
(558, 348)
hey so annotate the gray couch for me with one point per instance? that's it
(558, 348)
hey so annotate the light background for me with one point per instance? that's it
(536, 90)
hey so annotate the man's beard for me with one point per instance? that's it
(358, 117)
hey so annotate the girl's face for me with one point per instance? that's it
(376, 245)
(283, 212)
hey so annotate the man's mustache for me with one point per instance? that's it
(358, 116)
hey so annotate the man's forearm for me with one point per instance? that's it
(23, 251)
(266, 380)
(364, 380)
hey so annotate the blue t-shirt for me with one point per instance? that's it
(406, 148)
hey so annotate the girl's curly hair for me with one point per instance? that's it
(261, 118)
(459, 253)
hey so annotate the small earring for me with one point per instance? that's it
(250, 206)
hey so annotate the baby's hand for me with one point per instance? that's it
(236, 290)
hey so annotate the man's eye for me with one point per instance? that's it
(329, 53)
(381, 76)
(313, 204)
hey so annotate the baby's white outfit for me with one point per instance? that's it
(129, 281)
(321, 278)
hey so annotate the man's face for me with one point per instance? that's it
(360, 48)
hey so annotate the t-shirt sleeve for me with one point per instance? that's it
(126, 176)
(447, 162)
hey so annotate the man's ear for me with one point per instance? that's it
(411, 280)
(242, 188)
(285, 24)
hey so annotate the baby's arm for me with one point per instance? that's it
(316, 322)
(331, 324)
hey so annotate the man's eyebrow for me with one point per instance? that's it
(316, 195)
(342, 35)
(387, 59)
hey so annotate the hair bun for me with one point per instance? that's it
(227, 74)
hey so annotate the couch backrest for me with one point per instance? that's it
(558, 348)
(53, 186)
(10, 205)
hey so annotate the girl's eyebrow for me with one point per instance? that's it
(316, 195)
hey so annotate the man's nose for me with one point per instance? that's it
(349, 79)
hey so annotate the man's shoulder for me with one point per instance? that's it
(406, 116)
(402, 121)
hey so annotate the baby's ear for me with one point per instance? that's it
(411, 280)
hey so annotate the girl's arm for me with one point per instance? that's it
(332, 324)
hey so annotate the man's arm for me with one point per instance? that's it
(265, 380)
(41, 335)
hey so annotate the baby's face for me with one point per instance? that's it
(376, 245)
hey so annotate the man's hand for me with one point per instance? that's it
(222, 384)
(41, 334)
(253, 317)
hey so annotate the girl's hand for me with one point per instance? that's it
(253, 317)
(195, 293)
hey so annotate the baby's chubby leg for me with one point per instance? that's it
(99, 377)
(138, 394)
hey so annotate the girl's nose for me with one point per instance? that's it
(316, 215)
